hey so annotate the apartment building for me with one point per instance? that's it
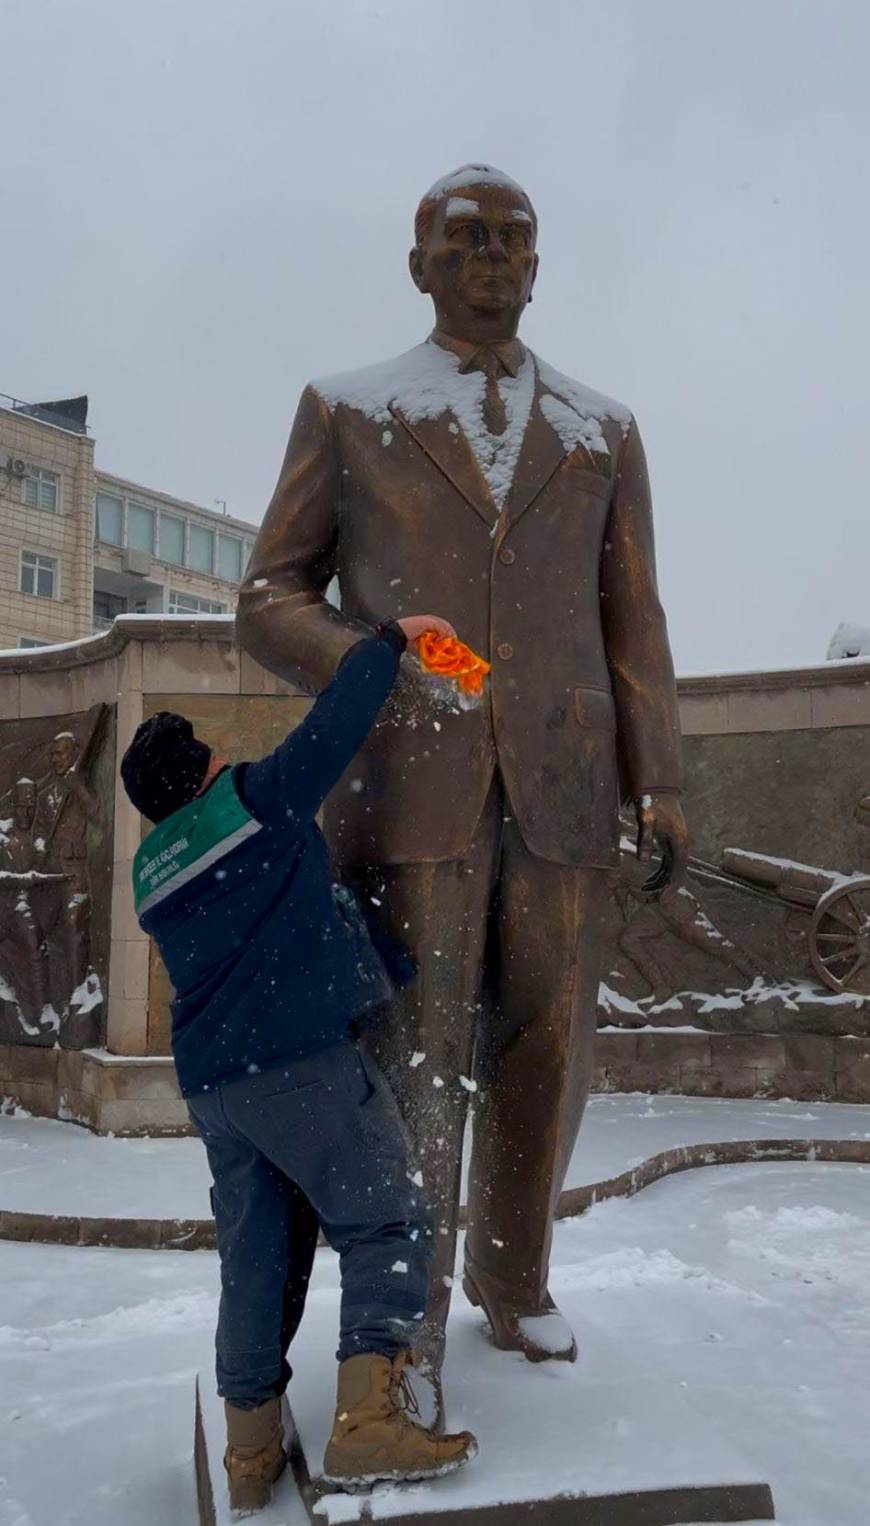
(79, 546)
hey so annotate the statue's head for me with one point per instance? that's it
(474, 252)
(62, 752)
(23, 804)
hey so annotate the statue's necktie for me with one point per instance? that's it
(494, 415)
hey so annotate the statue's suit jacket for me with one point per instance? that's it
(381, 488)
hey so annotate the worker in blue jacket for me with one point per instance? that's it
(273, 966)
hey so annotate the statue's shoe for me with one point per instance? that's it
(542, 1334)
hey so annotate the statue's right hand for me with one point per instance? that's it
(415, 626)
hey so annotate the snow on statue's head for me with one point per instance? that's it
(474, 252)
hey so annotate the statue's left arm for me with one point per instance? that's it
(641, 668)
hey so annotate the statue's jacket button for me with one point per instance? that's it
(507, 556)
(505, 651)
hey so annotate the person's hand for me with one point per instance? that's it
(418, 625)
(660, 819)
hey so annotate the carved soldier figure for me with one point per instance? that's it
(17, 849)
(469, 477)
(22, 956)
(651, 926)
(65, 806)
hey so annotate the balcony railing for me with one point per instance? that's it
(73, 420)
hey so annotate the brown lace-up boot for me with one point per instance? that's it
(254, 1457)
(374, 1439)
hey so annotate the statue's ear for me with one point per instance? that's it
(415, 265)
(534, 275)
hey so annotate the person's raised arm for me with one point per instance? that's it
(291, 784)
(283, 618)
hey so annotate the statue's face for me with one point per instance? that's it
(479, 261)
(62, 754)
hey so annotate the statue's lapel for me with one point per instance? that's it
(542, 453)
(447, 447)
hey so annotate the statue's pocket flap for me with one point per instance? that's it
(595, 708)
(594, 479)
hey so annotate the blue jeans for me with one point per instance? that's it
(315, 1144)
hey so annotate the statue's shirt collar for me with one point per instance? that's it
(477, 357)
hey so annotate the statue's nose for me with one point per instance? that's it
(495, 249)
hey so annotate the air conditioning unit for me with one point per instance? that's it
(137, 562)
(16, 466)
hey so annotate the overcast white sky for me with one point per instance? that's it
(206, 202)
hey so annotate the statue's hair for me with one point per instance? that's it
(466, 177)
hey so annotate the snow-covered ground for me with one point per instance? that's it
(739, 1296)
(61, 1168)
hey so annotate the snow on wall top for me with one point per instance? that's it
(850, 641)
(471, 174)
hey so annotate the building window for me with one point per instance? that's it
(25, 642)
(106, 607)
(189, 604)
(110, 519)
(201, 549)
(229, 558)
(38, 574)
(140, 528)
(171, 539)
(39, 489)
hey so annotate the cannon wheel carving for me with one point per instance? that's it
(840, 937)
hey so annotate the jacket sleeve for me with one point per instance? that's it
(283, 618)
(290, 785)
(636, 635)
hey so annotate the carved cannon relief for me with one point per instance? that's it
(753, 944)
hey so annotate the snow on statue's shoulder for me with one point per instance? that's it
(568, 404)
(423, 382)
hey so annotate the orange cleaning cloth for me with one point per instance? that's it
(448, 657)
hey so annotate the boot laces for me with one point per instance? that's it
(401, 1393)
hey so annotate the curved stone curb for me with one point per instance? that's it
(729, 1152)
(199, 1234)
(123, 1234)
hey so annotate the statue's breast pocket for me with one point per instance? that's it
(588, 472)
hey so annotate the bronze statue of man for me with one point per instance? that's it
(470, 478)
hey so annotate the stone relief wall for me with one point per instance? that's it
(788, 793)
(754, 942)
(56, 802)
(717, 992)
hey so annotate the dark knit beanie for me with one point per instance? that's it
(164, 766)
